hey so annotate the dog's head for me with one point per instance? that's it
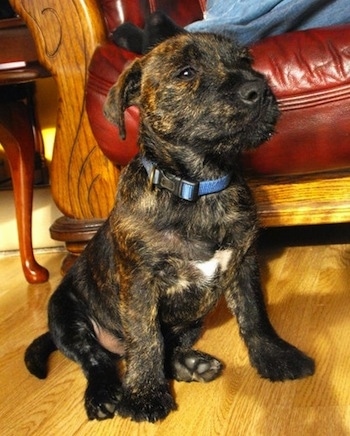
(196, 91)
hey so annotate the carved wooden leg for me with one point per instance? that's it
(17, 139)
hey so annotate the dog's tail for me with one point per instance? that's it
(37, 355)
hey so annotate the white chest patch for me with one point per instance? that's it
(220, 260)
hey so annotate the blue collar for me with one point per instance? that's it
(184, 189)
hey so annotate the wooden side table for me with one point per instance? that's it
(19, 132)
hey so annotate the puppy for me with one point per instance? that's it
(181, 235)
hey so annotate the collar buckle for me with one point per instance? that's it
(181, 188)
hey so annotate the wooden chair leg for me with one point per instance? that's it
(19, 147)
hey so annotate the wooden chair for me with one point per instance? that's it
(84, 181)
(20, 134)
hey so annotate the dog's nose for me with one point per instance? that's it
(251, 92)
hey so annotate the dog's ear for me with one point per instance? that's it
(158, 28)
(129, 37)
(123, 94)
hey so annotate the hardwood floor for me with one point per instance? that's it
(306, 275)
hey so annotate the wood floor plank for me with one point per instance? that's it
(307, 289)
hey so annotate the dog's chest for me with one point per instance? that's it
(194, 263)
(198, 276)
(195, 289)
(218, 262)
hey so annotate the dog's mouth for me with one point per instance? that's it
(266, 111)
(258, 125)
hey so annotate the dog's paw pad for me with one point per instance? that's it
(105, 410)
(195, 366)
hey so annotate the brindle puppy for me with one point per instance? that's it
(171, 246)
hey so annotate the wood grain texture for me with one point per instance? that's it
(307, 291)
(303, 199)
(83, 180)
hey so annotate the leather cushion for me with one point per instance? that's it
(309, 72)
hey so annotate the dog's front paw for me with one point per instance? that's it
(101, 402)
(147, 406)
(194, 365)
(278, 361)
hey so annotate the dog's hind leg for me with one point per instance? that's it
(193, 365)
(185, 364)
(74, 335)
(103, 392)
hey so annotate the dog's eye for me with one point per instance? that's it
(187, 73)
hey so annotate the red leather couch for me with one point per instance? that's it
(302, 175)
